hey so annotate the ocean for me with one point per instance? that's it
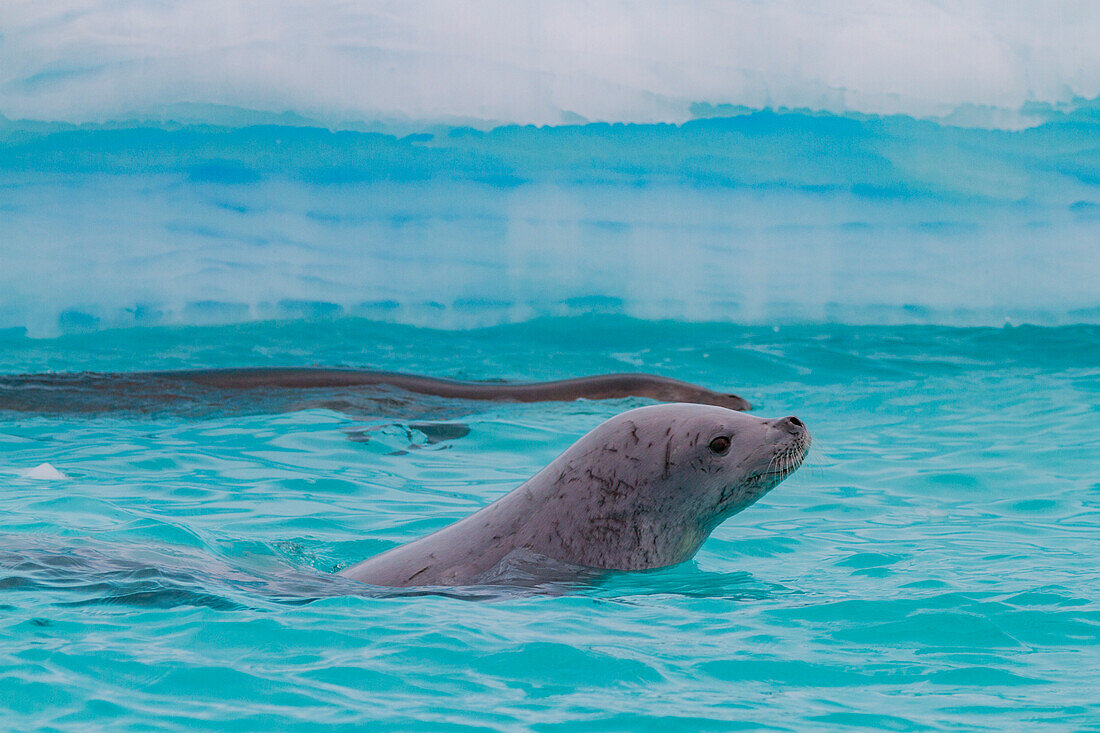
(932, 565)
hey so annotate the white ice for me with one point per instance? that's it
(537, 62)
(44, 472)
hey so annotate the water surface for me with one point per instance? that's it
(932, 565)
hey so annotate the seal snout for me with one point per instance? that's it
(791, 424)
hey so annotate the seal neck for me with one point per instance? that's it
(600, 525)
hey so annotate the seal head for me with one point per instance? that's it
(646, 488)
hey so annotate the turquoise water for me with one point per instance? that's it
(933, 565)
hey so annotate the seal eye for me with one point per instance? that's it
(720, 445)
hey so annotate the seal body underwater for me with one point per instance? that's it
(642, 490)
(280, 389)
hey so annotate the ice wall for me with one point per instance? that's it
(524, 61)
(758, 218)
(193, 161)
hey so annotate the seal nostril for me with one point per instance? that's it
(791, 424)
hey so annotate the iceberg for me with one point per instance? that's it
(758, 218)
(527, 62)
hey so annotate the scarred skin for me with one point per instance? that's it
(642, 490)
(78, 392)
